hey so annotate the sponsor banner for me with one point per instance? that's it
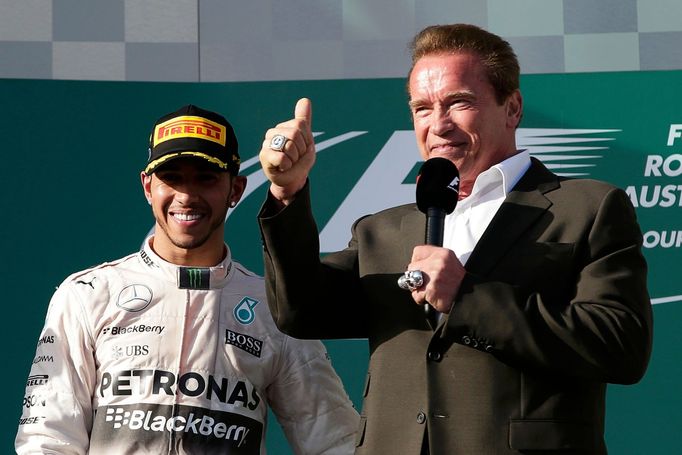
(43, 358)
(183, 429)
(619, 127)
(143, 382)
(137, 328)
(31, 420)
(244, 342)
(34, 400)
(244, 312)
(49, 339)
(130, 350)
(194, 278)
(189, 126)
(134, 297)
(37, 380)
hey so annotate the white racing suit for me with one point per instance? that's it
(139, 356)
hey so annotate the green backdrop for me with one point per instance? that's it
(72, 152)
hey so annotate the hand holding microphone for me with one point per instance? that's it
(436, 270)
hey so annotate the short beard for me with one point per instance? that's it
(195, 242)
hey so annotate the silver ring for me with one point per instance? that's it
(278, 142)
(411, 280)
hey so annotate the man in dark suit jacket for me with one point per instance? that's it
(541, 283)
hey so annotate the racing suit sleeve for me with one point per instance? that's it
(310, 402)
(57, 409)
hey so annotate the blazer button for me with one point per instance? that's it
(434, 355)
(421, 418)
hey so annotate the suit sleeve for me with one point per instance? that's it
(298, 283)
(598, 327)
(310, 402)
(57, 407)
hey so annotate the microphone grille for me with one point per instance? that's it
(437, 185)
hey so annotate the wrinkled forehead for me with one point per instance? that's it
(435, 70)
(457, 61)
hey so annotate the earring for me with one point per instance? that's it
(232, 204)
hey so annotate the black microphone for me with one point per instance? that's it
(437, 193)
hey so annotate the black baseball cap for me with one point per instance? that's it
(193, 132)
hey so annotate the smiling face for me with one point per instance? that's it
(456, 115)
(189, 200)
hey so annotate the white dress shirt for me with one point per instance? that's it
(466, 224)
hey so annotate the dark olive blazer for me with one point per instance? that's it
(553, 307)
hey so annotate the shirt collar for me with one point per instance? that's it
(200, 278)
(502, 176)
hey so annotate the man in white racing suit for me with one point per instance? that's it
(172, 350)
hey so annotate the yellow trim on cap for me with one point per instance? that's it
(189, 126)
(159, 161)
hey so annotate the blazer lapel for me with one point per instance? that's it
(522, 207)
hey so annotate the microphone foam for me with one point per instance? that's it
(437, 185)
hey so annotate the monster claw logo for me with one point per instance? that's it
(244, 312)
(194, 278)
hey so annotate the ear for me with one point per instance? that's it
(238, 185)
(146, 181)
(514, 106)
